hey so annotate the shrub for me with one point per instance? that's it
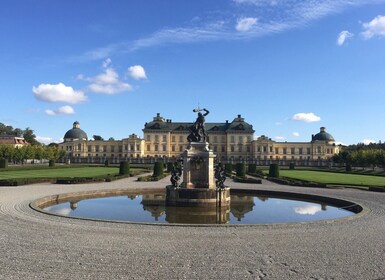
(124, 168)
(274, 170)
(228, 168)
(3, 163)
(247, 180)
(241, 170)
(252, 168)
(158, 169)
(106, 163)
(51, 163)
(170, 166)
(292, 166)
(348, 168)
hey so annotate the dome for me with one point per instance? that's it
(323, 136)
(75, 133)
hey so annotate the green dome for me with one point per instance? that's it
(75, 133)
(323, 136)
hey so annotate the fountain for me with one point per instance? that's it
(203, 185)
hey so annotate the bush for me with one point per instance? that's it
(241, 170)
(158, 169)
(106, 163)
(51, 163)
(170, 166)
(228, 168)
(274, 170)
(247, 180)
(292, 166)
(348, 168)
(252, 168)
(124, 168)
(3, 163)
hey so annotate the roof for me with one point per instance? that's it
(161, 124)
(75, 133)
(12, 140)
(323, 136)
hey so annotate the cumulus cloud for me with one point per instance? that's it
(44, 139)
(375, 27)
(107, 82)
(296, 134)
(279, 138)
(308, 209)
(368, 141)
(245, 24)
(306, 117)
(64, 110)
(343, 36)
(58, 93)
(137, 72)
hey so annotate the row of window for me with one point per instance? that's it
(293, 151)
(104, 148)
(183, 138)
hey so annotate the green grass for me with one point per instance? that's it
(334, 178)
(59, 172)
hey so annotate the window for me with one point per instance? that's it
(156, 138)
(259, 149)
(89, 148)
(126, 147)
(308, 151)
(264, 149)
(232, 139)
(215, 148)
(148, 148)
(164, 148)
(232, 148)
(271, 149)
(248, 148)
(79, 147)
(132, 147)
(97, 148)
(300, 151)
(173, 138)
(120, 148)
(181, 138)
(138, 147)
(319, 149)
(223, 149)
(173, 148)
(105, 148)
(148, 137)
(112, 149)
(292, 151)
(215, 139)
(155, 148)
(181, 148)
(277, 150)
(164, 138)
(284, 152)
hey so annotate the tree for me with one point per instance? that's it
(98, 138)
(30, 137)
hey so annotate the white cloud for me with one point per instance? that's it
(245, 24)
(296, 134)
(64, 110)
(278, 123)
(308, 209)
(376, 27)
(368, 141)
(44, 139)
(343, 36)
(107, 82)
(306, 117)
(280, 138)
(58, 93)
(137, 72)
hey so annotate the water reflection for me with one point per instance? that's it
(244, 209)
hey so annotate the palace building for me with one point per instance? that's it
(230, 141)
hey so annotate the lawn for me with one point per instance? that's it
(83, 171)
(334, 178)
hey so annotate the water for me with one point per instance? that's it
(244, 209)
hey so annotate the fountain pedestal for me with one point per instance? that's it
(198, 187)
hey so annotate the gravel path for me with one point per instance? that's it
(38, 246)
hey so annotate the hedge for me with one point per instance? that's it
(158, 169)
(124, 168)
(3, 163)
(274, 170)
(241, 170)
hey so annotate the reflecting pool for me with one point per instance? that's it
(150, 207)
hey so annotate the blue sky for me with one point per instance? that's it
(288, 66)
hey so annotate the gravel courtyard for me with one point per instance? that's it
(38, 246)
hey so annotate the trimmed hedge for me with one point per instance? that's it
(247, 180)
(51, 163)
(170, 166)
(3, 163)
(158, 169)
(124, 168)
(228, 168)
(292, 166)
(274, 170)
(23, 181)
(151, 178)
(241, 170)
(252, 168)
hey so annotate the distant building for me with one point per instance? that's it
(230, 141)
(13, 141)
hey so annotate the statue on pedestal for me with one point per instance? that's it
(197, 130)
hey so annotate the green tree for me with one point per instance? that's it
(30, 137)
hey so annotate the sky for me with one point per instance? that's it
(288, 67)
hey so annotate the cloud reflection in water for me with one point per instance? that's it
(308, 209)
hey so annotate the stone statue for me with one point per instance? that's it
(176, 176)
(220, 177)
(197, 130)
